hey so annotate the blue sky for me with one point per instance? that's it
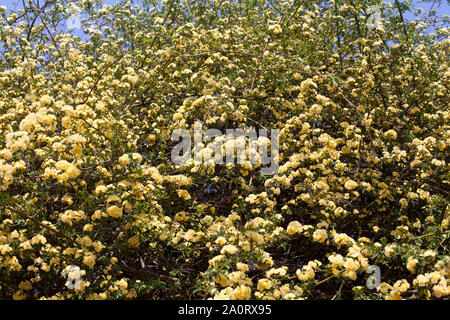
(441, 8)
(18, 3)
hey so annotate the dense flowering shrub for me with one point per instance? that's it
(87, 179)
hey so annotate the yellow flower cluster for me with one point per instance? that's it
(88, 180)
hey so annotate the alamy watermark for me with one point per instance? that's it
(241, 145)
(375, 20)
(73, 274)
(373, 281)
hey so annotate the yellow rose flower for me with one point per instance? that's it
(114, 211)
(320, 235)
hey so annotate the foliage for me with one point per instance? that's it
(87, 178)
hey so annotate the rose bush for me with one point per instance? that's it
(85, 151)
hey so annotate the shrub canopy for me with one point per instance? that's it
(85, 151)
